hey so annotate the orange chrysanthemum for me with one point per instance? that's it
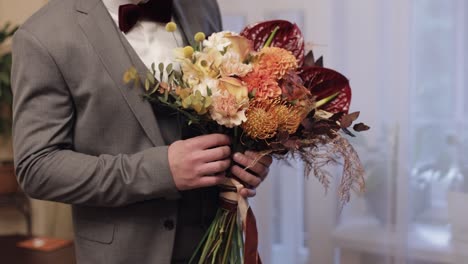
(275, 62)
(263, 86)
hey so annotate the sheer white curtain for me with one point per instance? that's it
(371, 45)
(406, 61)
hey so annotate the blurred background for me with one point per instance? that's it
(407, 62)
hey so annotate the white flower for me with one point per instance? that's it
(233, 66)
(205, 84)
(218, 41)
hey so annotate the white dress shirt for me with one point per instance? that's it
(149, 39)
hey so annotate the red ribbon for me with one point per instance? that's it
(251, 255)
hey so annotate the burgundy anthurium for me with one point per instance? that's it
(323, 82)
(288, 36)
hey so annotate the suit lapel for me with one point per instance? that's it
(185, 20)
(109, 42)
(106, 40)
(196, 16)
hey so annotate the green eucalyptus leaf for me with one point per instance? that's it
(153, 68)
(169, 68)
(155, 88)
(151, 78)
(147, 85)
(161, 71)
(171, 78)
(178, 75)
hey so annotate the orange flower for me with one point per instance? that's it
(271, 65)
(289, 117)
(275, 62)
(263, 86)
(265, 118)
(257, 127)
(235, 87)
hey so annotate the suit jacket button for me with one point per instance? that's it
(169, 224)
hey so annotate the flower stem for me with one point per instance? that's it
(271, 37)
(205, 237)
(231, 223)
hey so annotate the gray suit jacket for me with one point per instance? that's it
(83, 137)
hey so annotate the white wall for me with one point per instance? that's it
(316, 15)
(17, 11)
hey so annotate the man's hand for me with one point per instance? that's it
(256, 173)
(200, 161)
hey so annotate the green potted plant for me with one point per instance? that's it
(7, 179)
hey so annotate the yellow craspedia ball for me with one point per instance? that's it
(171, 27)
(200, 36)
(188, 51)
(257, 126)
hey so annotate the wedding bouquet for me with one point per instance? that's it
(260, 88)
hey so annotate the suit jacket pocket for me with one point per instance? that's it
(95, 231)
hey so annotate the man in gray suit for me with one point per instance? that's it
(140, 194)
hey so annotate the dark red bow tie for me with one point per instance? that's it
(154, 10)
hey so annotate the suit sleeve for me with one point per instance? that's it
(47, 166)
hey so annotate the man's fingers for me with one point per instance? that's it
(215, 167)
(244, 192)
(214, 154)
(249, 162)
(266, 160)
(203, 161)
(245, 176)
(209, 181)
(210, 141)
